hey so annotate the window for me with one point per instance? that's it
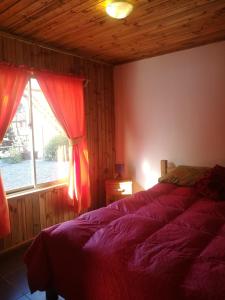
(34, 151)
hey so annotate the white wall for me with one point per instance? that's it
(171, 107)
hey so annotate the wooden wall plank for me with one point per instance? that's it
(32, 212)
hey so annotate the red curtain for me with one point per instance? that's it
(65, 97)
(12, 83)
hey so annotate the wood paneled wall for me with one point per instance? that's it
(99, 105)
(30, 213)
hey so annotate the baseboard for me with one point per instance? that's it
(16, 247)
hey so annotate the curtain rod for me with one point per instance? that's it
(32, 75)
(66, 52)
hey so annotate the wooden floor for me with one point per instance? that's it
(13, 281)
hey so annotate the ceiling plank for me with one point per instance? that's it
(82, 27)
(167, 23)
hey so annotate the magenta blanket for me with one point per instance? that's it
(162, 244)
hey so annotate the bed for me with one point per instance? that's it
(166, 243)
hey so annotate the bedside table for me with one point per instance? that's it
(117, 189)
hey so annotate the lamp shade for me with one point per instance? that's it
(119, 9)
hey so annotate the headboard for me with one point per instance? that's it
(166, 167)
(163, 167)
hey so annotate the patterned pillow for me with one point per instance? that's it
(184, 175)
(212, 185)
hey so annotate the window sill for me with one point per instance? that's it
(35, 190)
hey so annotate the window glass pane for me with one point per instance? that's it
(51, 143)
(15, 151)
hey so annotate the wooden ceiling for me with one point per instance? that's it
(155, 26)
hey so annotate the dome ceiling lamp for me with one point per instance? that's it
(119, 9)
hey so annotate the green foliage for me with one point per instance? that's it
(9, 139)
(50, 151)
(15, 156)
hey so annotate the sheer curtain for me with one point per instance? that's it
(65, 97)
(12, 84)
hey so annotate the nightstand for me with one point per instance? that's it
(117, 189)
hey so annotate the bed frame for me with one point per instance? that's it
(166, 167)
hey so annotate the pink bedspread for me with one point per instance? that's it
(161, 244)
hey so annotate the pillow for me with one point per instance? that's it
(184, 175)
(212, 185)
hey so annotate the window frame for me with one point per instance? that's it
(35, 185)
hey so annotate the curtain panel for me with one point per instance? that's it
(12, 84)
(65, 97)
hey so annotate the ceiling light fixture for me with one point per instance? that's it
(119, 9)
